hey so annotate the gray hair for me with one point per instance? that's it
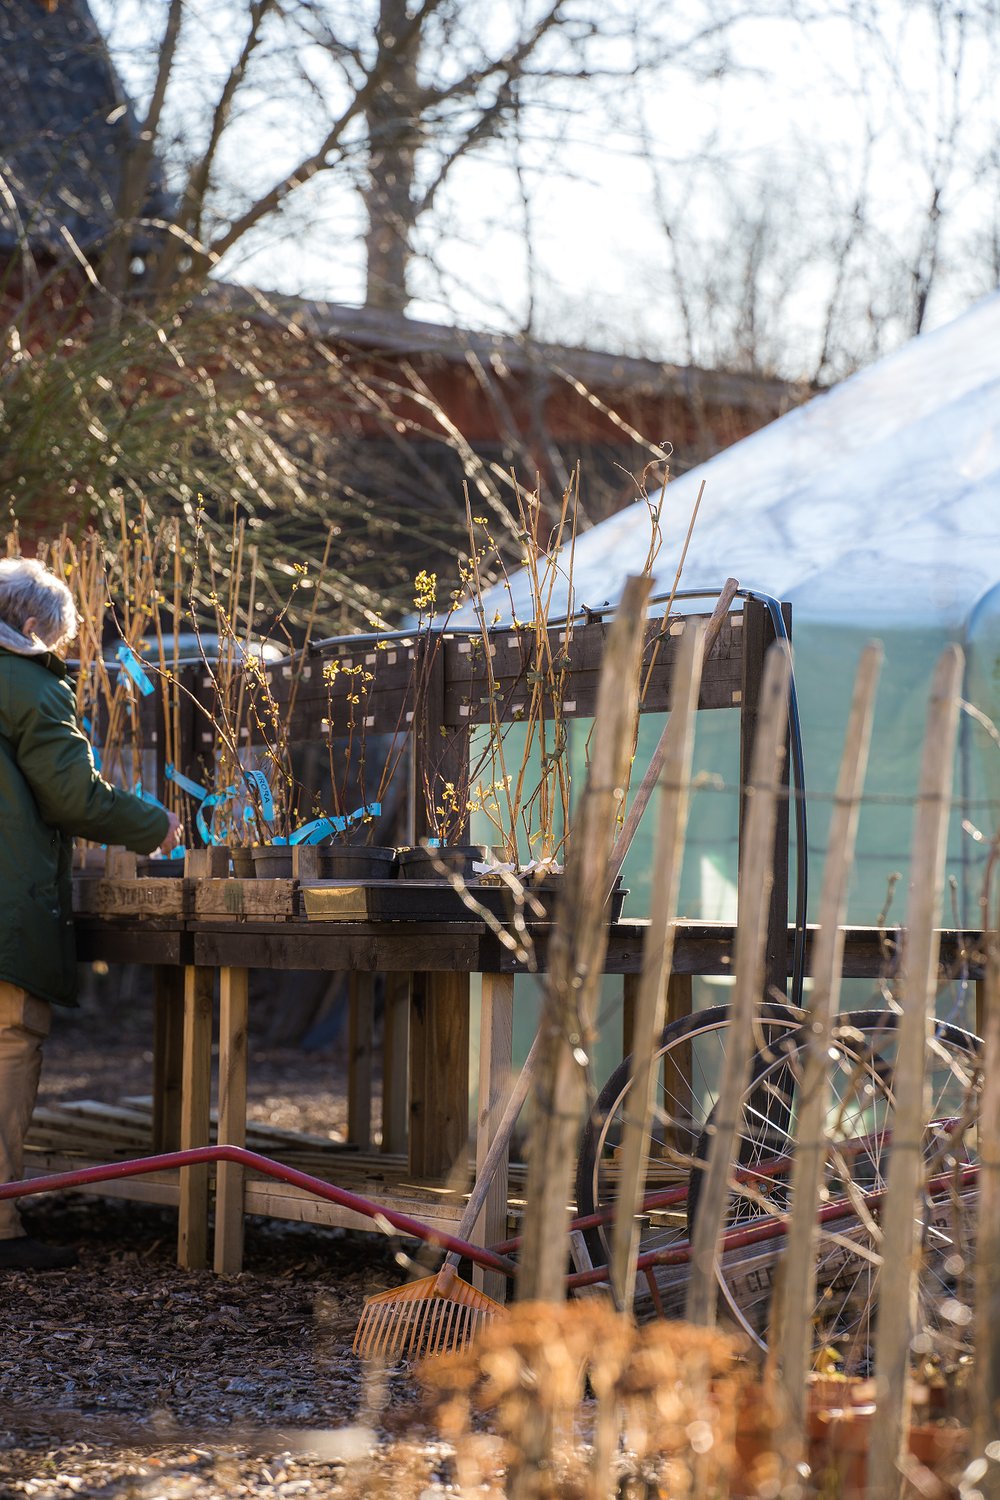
(27, 589)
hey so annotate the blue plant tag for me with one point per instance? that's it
(317, 830)
(88, 730)
(133, 666)
(259, 780)
(185, 783)
(147, 796)
(203, 823)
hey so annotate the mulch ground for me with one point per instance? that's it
(125, 1376)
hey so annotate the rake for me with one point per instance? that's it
(442, 1312)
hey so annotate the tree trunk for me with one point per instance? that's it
(392, 119)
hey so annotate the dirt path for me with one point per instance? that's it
(128, 1377)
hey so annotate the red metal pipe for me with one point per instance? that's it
(198, 1155)
(770, 1227)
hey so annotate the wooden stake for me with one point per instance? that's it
(799, 1264)
(751, 934)
(655, 767)
(918, 985)
(657, 961)
(576, 958)
(986, 1390)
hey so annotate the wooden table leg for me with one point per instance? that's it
(630, 996)
(439, 1073)
(168, 1051)
(233, 1010)
(360, 1038)
(395, 1046)
(496, 1034)
(192, 1227)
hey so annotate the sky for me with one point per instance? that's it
(804, 120)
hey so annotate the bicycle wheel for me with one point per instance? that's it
(688, 1066)
(858, 1148)
(858, 1130)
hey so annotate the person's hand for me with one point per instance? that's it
(175, 833)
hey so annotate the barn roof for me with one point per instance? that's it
(65, 122)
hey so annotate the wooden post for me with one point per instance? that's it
(233, 1018)
(901, 1222)
(798, 1283)
(758, 636)
(750, 954)
(168, 1051)
(568, 1027)
(576, 959)
(496, 1032)
(196, 1092)
(439, 1073)
(630, 997)
(360, 1036)
(986, 1385)
(395, 1046)
(657, 961)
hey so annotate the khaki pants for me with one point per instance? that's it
(24, 1025)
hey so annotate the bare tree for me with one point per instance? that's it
(862, 220)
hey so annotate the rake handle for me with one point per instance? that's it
(494, 1156)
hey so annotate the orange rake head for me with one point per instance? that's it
(432, 1316)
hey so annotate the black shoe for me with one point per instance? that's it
(26, 1254)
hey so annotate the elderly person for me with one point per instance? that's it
(50, 792)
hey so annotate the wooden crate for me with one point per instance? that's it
(132, 898)
(245, 898)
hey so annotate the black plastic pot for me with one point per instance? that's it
(420, 864)
(357, 862)
(146, 866)
(272, 861)
(241, 857)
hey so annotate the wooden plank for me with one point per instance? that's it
(168, 1056)
(207, 864)
(496, 1032)
(192, 1228)
(103, 940)
(156, 896)
(901, 1220)
(651, 1008)
(439, 1072)
(281, 1200)
(798, 1291)
(750, 966)
(232, 1127)
(360, 1048)
(242, 898)
(120, 864)
(395, 946)
(630, 994)
(759, 635)
(395, 1049)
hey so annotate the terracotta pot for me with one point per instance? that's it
(418, 864)
(838, 1449)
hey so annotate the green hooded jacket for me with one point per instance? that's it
(50, 791)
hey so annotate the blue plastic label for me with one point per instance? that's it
(133, 666)
(319, 828)
(185, 783)
(260, 781)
